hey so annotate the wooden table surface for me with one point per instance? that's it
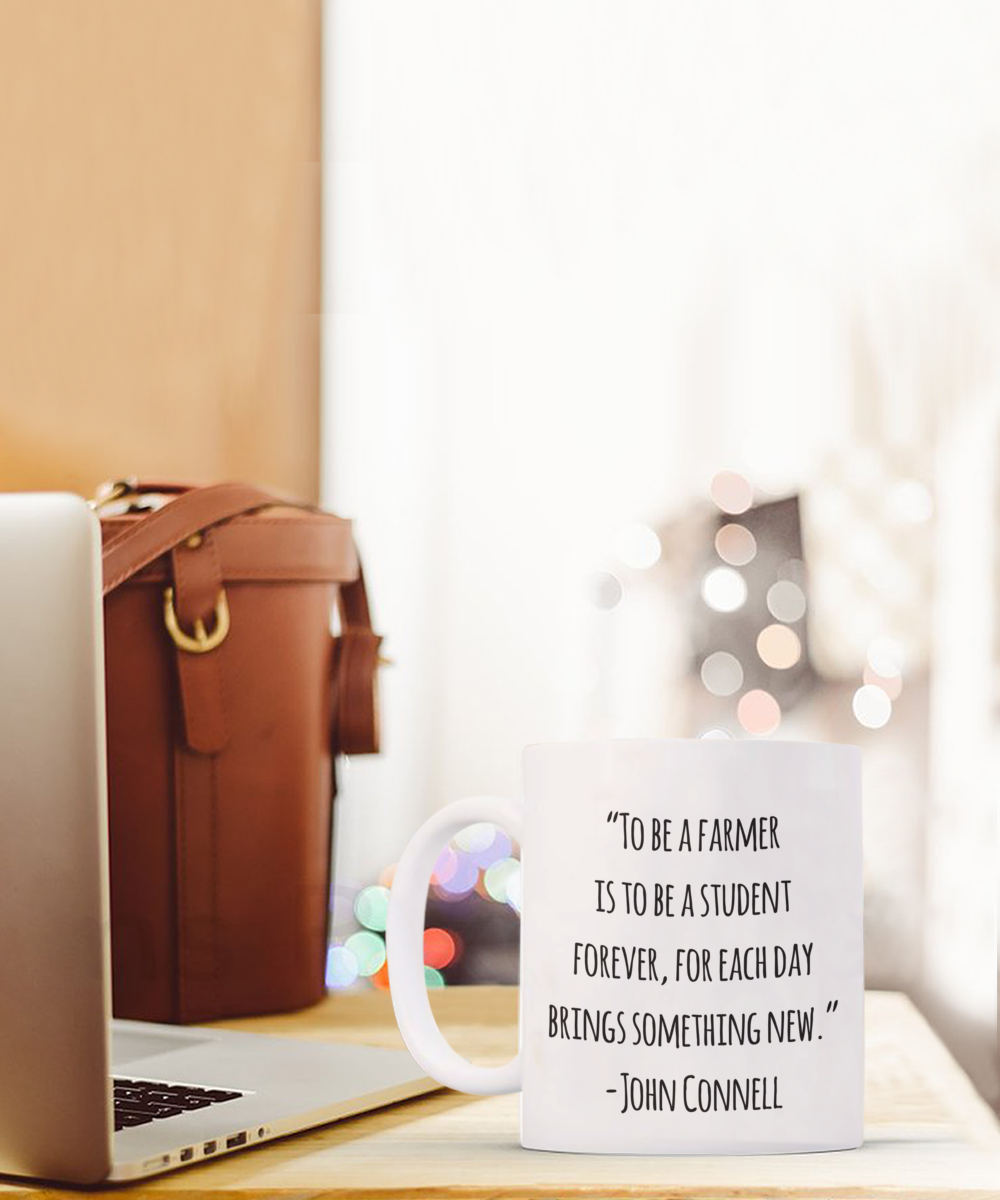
(927, 1135)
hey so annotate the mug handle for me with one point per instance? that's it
(405, 946)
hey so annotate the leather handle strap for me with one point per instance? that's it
(188, 513)
(355, 724)
(355, 717)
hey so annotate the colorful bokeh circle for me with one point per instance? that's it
(439, 948)
(371, 907)
(341, 967)
(368, 950)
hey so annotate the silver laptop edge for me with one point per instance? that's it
(56, 1114)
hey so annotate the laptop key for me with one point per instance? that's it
(124, 1120)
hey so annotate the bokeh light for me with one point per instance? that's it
(715, 735)
(722, 673)
(731, 492)
(885, 656)
(786, 601)
(498, 877)
(368, 950)
(604, 590)
(463, 879)
(445, 866)
(341, 967)
(637, 546)
(724, 589)
(475, 837)
(758, 712)
(779, 647)
(736, 545)
(499, 847)
(872, 706)
(371, 907)
(433, 978)
(381, 978)
(439, 948)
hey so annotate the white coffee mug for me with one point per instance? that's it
(692, 977)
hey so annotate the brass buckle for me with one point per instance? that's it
(202, 642)
(111, 490)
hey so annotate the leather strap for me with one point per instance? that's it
(197, 584)
(188, 513)
(355, 726)
(279, 545)
(355, 710)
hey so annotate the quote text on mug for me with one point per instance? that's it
(734, 962)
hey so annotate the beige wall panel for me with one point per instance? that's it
(159, 241)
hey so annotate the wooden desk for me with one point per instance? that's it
(928, 1134)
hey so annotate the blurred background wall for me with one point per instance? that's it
(663, 375)
(159, 241)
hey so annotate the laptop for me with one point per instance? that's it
(84, 1098)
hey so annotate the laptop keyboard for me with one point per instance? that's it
(139, 1101)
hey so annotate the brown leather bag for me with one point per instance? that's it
(227, 698)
